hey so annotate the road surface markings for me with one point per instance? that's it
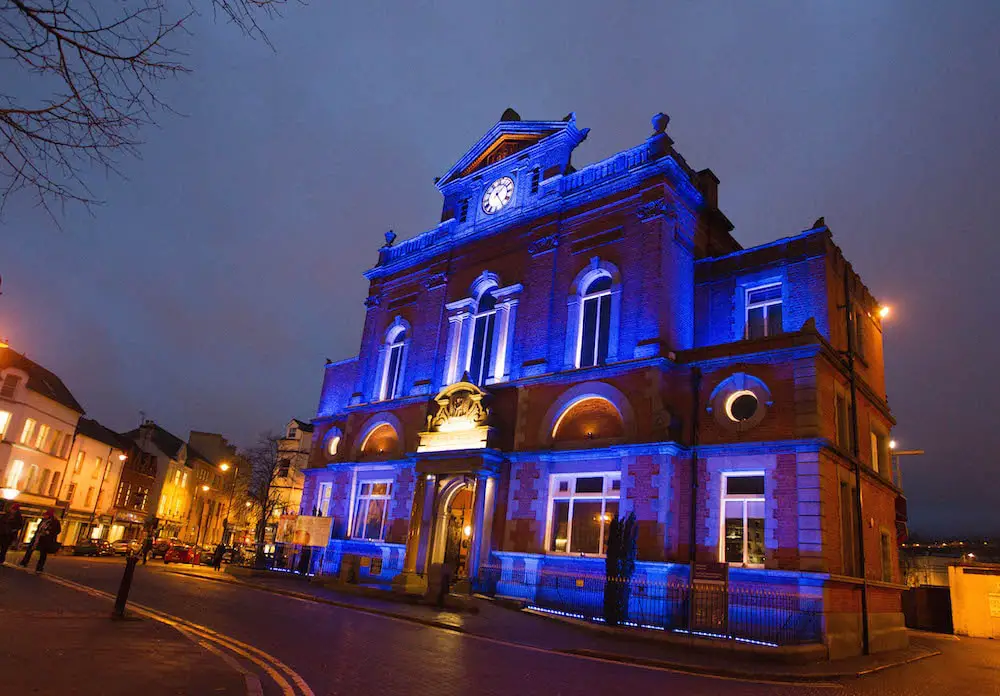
(531, 648)
(269, 663)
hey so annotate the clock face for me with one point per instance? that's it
(498, 194)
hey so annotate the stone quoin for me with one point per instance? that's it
(569, 345)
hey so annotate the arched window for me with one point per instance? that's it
(392, 361)
(481, 327)
(481, 365)
(595, 322)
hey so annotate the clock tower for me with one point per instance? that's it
(507, 175)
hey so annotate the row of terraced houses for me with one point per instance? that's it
(108, 485)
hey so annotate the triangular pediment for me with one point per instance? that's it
(510, 136)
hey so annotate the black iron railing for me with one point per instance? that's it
(740, 612)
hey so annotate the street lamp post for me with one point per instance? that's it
(201, 516)
(225, 466)
(897, 473)
(93, 514)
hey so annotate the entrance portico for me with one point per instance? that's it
(451, 518)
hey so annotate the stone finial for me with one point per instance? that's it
(820, 222)
(660, 122)
(390, 238)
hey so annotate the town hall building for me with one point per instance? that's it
(571, 345)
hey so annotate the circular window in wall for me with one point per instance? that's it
(741, 405)
(740, 402)
(331, 444)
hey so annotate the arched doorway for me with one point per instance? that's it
(453, 528)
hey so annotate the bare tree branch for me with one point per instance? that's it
(95, 67)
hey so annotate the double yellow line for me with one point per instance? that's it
(287, 679)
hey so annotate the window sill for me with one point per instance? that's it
(575, 554)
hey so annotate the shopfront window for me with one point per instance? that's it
(743, 519)
(581, 509)
(371, 509)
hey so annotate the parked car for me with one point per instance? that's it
(182, 553)
(122, 547)
(160, 547)
(93, 547)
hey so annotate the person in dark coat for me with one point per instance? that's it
(147, 546)
(220, 551)
(44, 541)
(11, 523)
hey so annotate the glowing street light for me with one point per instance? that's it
(224, 466)
(883, 311)
(204, 489)
(892, 444)
(9, 493)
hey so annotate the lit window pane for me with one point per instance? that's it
(604, 329)
(560, 526)
(774, 320)
(734, 531)
(586, 526)
(755, 323)
(755, 533)
(587, 339)
(373, 524)
(610, 514)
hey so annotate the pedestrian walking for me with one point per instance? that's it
(11, 523)
(147, 546)
(220, 551)
(44, 541)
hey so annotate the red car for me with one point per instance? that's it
(179, 553)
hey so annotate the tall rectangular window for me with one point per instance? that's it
(70, 492)
(90, 497)
(763, 311)
(9, 386)
(78, 464)
(743, 506)
(43, 482)
(463, 210)
(880, 453)
(536, 176)
(480, 363)
(859, 333)
(595, 323)
(392, 371)
(371, 509)
(886, 549)
(14, 474)
(28, 431)
(97, 467)
(582, 507)
(842, 418)
(4, 421)
(54, 486)
(42, 436)
(323, 498)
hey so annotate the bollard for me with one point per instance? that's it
(126, 585)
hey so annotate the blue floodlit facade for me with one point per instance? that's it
(571, 345)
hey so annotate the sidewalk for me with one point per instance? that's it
(499, 623)
(56, 640)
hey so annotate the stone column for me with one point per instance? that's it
(412, 579)
(482, 523)
(426, 540)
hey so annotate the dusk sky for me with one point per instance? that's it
(225, 267)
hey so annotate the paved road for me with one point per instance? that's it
(342, 651)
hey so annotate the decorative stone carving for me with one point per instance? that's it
(373, 301)
(460, 421)
(540, 246)
(654, 209)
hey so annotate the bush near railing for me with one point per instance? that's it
(743, 613)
